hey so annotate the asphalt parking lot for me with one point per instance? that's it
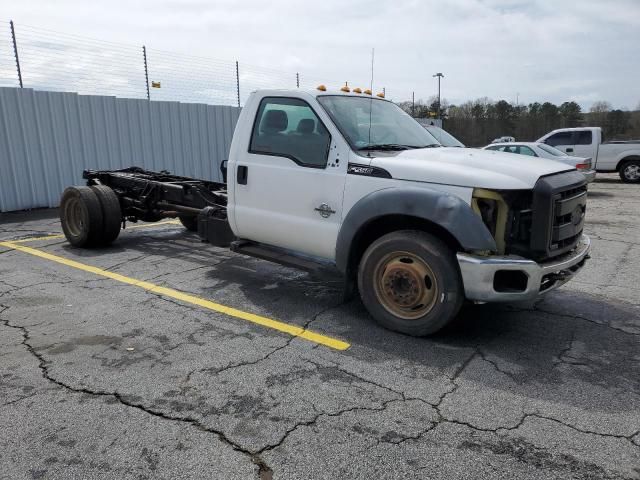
(163, 357)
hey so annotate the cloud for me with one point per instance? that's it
(540, 50)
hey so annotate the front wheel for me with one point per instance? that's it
(410, 283)
(630, 171)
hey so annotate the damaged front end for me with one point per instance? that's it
(539, 239)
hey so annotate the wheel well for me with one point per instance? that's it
(625, 160)
(380, 226)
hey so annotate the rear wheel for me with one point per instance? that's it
(410, 283)
(630, 171)
(111, 213)
(81, 216)
(190, 223)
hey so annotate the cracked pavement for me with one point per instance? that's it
(102, 380)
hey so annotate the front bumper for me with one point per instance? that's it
(484, 277)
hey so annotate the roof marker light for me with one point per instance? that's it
(381, 95)
(367, 92)
(322, 88)
(345, 88)
(357, 90)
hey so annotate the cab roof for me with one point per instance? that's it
(319, 93)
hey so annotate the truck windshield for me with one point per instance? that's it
(372, 124)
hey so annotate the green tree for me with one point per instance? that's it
(571, 114)
(550, 116)
(479, 109)
(534, 109)
(617, 123)
(435, 110)
(505, 115)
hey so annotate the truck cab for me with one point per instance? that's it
(349, 181)
(328, 175)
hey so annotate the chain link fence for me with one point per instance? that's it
(43, 59)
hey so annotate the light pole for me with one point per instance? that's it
(439, 75)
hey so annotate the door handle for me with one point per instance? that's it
(243, 174)
(324, 210)
(569, 150)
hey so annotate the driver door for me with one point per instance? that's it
(289, 186)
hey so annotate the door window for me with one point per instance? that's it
(584, 138)
(560, 138)
(524, 150)
(288, 127)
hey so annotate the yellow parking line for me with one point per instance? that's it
(36, 239)
(293, 330)
(60, 236)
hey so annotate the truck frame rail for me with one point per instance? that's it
(150, 196)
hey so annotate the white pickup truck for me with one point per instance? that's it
(350, 181)
(616, 156)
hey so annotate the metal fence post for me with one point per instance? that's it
(238, 82)
(15, 52)
(146, 70)
(297, 80)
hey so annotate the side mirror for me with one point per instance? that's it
(223, 170)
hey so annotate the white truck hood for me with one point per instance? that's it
(468, 167)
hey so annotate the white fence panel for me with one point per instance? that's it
(48, 138)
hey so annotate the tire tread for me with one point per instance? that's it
(111, 214)
(94, 229)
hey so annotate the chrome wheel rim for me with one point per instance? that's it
(632, 172)
(405, 285)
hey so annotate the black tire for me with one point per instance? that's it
(190, 223)
(409, 282)
(81, 216)
(630, 171)
(111, 213)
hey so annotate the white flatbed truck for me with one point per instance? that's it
(350, 181)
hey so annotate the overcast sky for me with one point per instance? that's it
(547, 50)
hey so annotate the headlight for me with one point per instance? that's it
(493, 210)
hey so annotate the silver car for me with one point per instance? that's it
(535, 149)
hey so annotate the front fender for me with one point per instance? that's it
(446, 210)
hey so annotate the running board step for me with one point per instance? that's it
(280, 256)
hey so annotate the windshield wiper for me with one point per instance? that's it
(431, 145)
(388, 146)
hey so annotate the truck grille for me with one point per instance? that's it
(569, 207)
(555, 222)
